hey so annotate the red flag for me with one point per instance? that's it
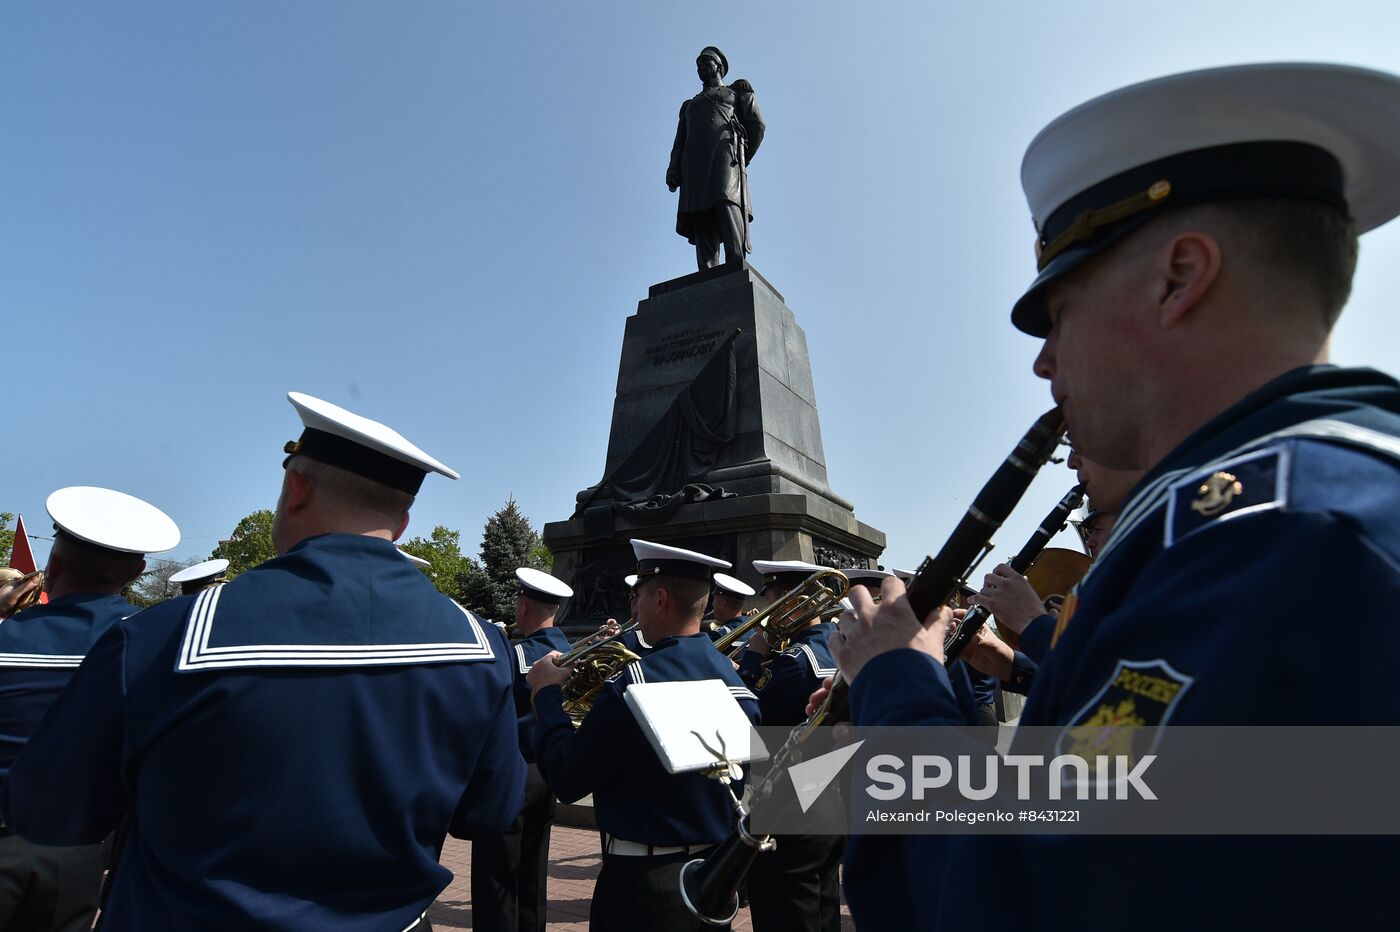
(22, 555)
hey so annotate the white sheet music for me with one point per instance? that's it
(690, 724)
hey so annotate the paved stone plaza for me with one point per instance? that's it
(573, 866)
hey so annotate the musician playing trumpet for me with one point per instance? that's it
(651, 821)
(727, 601)
(18, 591)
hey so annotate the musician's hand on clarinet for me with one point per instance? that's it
(546, 672)
(989, 654)
(1010, 598)
(877, 628)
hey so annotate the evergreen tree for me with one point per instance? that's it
(508, 541)
(450, 570)
(250, 544)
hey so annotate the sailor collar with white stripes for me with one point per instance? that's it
(1277, 408)
(1218, 489)
(196, 652)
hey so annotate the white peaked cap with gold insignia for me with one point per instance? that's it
(1318, 132)
(367, 448)
(785, 572)
(665, 560)
(542, 587)
(113, 520)
(200, 571)
(730, 586)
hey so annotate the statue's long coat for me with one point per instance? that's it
(705, 153)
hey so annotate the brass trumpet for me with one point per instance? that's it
(594, 662)
(818, 594)
(13, 578)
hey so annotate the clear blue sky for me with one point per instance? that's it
(440, 214)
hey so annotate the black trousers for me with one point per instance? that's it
(795, 888)
(45, 889)
(724, 226)
(510, 872)
(642, 894)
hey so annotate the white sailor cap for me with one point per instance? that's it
(112, 520)
(665, 560)
(735, 588)
(785, 573)
(367, 448)
(905, 575)
(193, 578)
(416, 561)
(541, 586)
(1317, 132)
(863, 575)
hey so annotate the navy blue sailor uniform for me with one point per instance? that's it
(796, 885)
(40, 649)
(635, 642)
(509, 870)
(1197, 612)
(652, 821)
(290, 749)
(784, 681)
(1025, 660)
(721, 628)
(720, 631)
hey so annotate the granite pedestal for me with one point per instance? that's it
(770, 464)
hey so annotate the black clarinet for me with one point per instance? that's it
(710, 885)
(963, 633)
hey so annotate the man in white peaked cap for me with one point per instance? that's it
(101, 538)
(288, 751)
(727, 602)
(652, 821)
(200, 576)
(510, 872)
(1196, 238)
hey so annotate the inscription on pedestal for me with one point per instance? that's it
(686, 343)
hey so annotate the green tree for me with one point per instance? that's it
(250, 544)
(508, 541)
(7, 537)
(450, 570)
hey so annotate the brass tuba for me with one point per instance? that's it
(818, 594)
(594, 662)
